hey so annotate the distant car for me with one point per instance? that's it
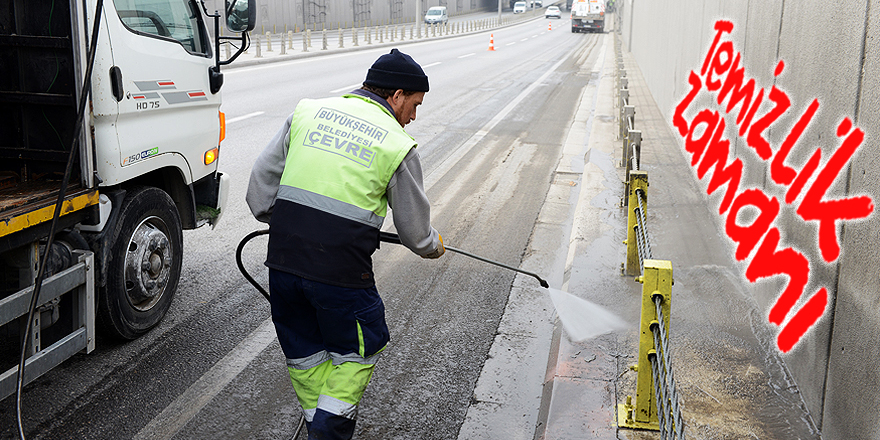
(553, 11)
(436, 14)
(519, 7)
(537, 3)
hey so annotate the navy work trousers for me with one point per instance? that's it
(331, 337)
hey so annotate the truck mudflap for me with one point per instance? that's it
(211, 193)
(18, 213)
(77, 280)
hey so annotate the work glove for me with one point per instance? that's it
(437, 253)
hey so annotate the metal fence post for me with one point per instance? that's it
(631, 154)
(657, 280)
(637, 180)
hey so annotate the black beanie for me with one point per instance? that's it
(397, 70)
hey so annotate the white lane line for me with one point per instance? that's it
(455, 156)
(431, 65)
(242, 118)
(524, 39)
(468, 55)
(198, 395)
(346, 88)
(511, 44)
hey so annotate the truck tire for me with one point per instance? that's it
(143, 266)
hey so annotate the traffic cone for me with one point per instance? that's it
(549, 26)
(491, 42)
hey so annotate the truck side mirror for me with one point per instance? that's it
(241, 15)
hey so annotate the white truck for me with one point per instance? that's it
(588, 15)
(131, 106)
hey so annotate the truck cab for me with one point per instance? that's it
(114, 113)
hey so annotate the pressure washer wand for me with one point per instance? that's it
(390, 237)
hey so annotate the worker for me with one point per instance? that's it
(323, 184)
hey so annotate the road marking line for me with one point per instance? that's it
(431, 65)
(455, 156)
(176, 415)
(242, 118)
(346, 88)
(465, 56)
(511, 44)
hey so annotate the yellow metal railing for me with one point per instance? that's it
(656, 400)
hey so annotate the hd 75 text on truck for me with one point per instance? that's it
(588, 15)
(120, 98)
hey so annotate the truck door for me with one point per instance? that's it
(167, 114)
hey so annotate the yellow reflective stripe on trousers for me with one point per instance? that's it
(361, 348)
(336, 389)
(347, 384)
(308, 384)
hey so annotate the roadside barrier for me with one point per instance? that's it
(656, 405)
(631, 139)
(373, 31)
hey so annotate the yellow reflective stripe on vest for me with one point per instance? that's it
(345, 149)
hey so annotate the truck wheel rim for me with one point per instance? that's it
(148, 262)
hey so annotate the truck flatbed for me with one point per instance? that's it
(31, 203)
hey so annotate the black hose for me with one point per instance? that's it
(244, 272)
(41, 271)
(263, 291)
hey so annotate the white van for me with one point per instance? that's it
(436, 14)
(519, 7)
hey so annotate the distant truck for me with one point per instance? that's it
(588, 15)
(144, 150)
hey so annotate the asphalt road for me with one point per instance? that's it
(490, 133)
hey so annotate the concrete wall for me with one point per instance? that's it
(831, 52)
(274, 15)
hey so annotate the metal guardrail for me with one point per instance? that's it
(657, 405)
(374, 32)
(631, 139)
